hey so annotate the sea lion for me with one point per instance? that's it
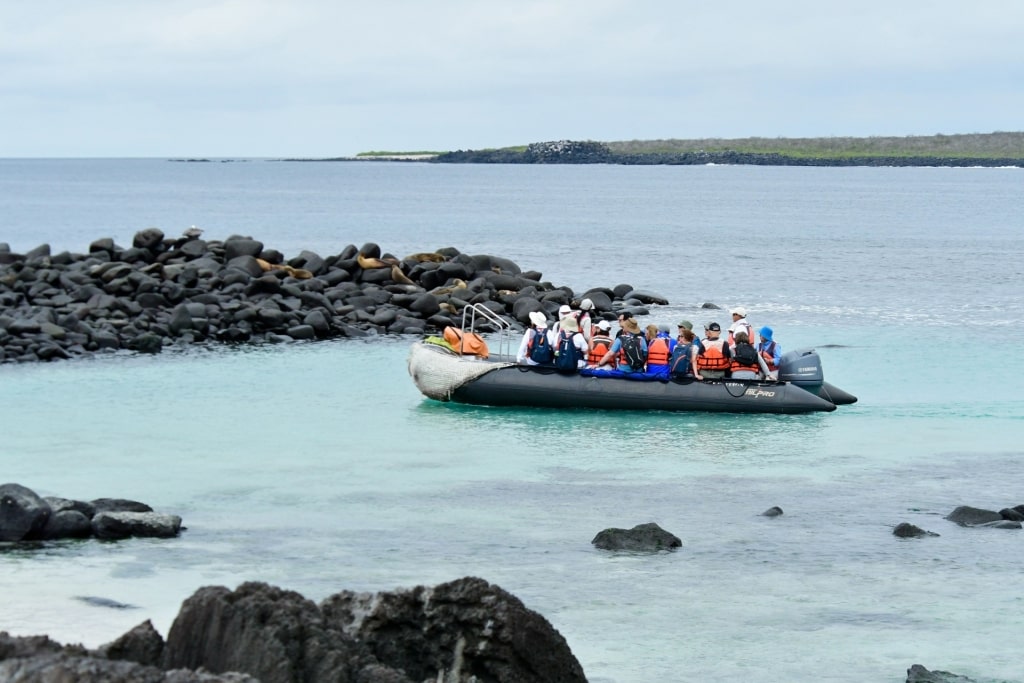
(368, 263)
(398, 276)
(459, 284)
(265, 265)
(424, 256)
(448, 308)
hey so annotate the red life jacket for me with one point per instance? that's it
(713, 357)
(657, 351)
(600, 347)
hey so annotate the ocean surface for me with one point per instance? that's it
(319, 467)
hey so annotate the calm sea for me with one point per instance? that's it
(319, 467)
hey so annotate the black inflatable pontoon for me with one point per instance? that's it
(442, 374)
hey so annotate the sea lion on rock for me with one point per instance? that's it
(369, 263)
(458, 284)
(424, 257)
(398, 276)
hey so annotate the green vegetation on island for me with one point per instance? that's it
(999, 145)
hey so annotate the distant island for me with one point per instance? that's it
(975, 149)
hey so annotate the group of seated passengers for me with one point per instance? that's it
(576, 341)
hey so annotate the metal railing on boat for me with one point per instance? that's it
(504, 327)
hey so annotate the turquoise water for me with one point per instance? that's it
(318, 467)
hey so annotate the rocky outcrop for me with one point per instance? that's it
(25, 516)
(464, 631)
(965, 515)
(644, 538)
(177, 291)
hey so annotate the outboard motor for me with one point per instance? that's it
(802, 367)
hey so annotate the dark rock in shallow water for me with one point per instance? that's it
(644, 537)
(23, 514)
(919, 674)
(66, 524)
(908, 530)
(965, 515)
(118, 505)
(774, 511)
(119, 525)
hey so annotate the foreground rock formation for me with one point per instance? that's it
(458, 632)
(163, 291)
(26, 516)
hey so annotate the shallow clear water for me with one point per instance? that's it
(318, 467)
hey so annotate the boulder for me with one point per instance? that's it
(23, 514)
(142, 645)
(150, 238)
(919, 674)
(66, 524)
(278, 636)
(774, 511)
(965, 515)
(120, 525)
(908, 530)
(646, 297)
(462, 630)
(243, 246)
(117, 505)
(643, 537)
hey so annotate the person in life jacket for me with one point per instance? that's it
(687, 325)
(714, 359)
(600, 342)
(659, 350)
(616, 352)
(770, 351)
(570, 346)
(683, 362)
(746, 361)
(532, 346)
(740, 324)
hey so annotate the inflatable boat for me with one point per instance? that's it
(446, 373)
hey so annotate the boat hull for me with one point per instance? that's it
(543, 388)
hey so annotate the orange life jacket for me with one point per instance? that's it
(746, 350)
(713, 357)
(657, 351)
(601, 344)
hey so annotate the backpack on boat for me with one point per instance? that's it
(540, 350)
(633, 352)
(466, 343)
(745, 354)
(567, 357)
(679, 362)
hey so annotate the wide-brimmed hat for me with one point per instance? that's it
(766, 333)
(569, 324)
(686, 324)
(564, 310)
(538, 319)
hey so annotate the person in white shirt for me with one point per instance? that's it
(740, 324)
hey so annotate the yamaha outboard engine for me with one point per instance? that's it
(802, 368)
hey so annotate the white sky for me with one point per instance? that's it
(323, 78)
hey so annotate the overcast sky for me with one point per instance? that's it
(323, 78)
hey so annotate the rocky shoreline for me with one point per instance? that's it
(177, 291)
(588, 152)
